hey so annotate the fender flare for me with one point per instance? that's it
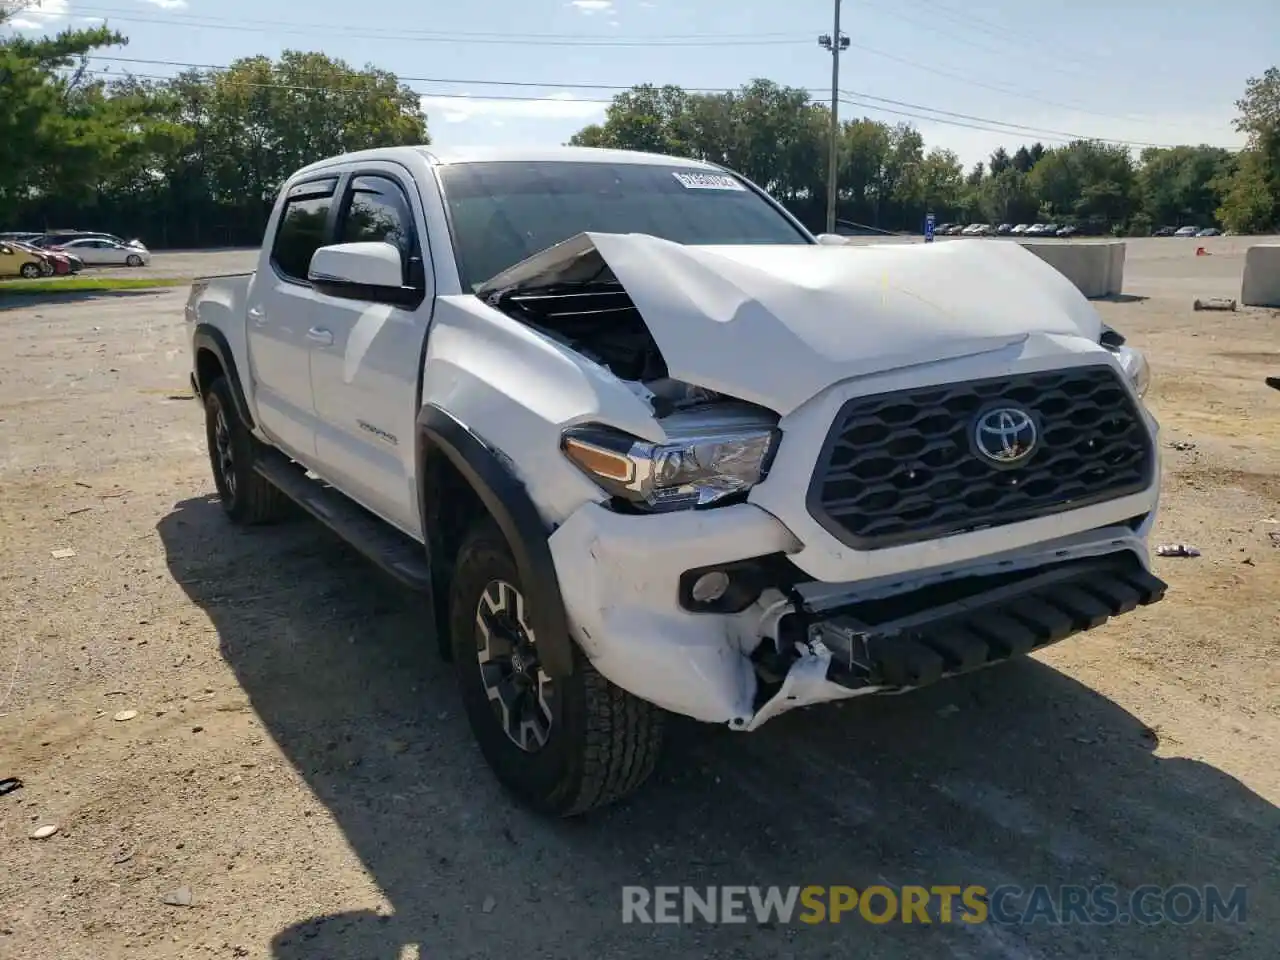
(208, 337)
(509, 503)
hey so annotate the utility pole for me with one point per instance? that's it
(836, 43)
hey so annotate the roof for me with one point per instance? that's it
(448, 155)
(451, 155)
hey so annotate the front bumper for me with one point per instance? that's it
(808, 642)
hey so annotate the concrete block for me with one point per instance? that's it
(1260, 286)
(1097, 269)
(1115, 283)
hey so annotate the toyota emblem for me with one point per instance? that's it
(1005, 435)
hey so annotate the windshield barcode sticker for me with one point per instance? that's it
(708, 181)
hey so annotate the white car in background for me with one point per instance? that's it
(96, 252)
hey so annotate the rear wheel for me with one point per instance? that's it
(562, 746)
(30, 270)
(133, 260)
(247, 496)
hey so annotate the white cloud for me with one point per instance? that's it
(48, 13)
(91, 20)
(558, 106)
(167, 4)
(590, 7)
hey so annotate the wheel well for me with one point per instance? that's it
(451, 508)
(208, 369)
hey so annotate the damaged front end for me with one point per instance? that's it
(830, 650)
(715, 448)
(708, 612)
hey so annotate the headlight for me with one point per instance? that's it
(697, 466)
(1135, 368)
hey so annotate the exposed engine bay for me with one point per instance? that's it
(577, 301)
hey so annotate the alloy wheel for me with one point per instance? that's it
(519, 690)
(225, 452)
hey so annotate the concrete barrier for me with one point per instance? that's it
(1260, 286)
(1097, 269)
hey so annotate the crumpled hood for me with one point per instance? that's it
(775, 325)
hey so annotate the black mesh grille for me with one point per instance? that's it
(901, 467)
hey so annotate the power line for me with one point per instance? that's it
(568, 40)
(1064, 136)
(457, 81)
(245, 25)
(1006, 49)
(904, 108)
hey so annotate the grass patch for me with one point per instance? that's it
(46, 285)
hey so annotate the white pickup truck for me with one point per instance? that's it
(651, 446)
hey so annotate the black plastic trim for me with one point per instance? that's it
(747, 580)
(999, 619)
(406, 297)
(508, 502)
(300, 191)
(208, 337)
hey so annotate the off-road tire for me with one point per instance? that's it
(247, 497)
(603, 742)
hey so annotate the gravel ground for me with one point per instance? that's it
(299, 763)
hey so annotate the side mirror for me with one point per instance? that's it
(363, 271)
(832, 240)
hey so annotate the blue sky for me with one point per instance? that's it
(1139, 71)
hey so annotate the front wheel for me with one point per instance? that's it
(562, 746)
(133, 260)
(247, 496)
(30, 271)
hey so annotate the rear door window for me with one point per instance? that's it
(304, 222)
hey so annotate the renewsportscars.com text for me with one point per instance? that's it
(1106, 904)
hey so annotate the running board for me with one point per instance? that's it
(402, 557)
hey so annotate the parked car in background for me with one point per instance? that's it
(24, 236)
(54, 262)
(62, 237)
(1163, 232)
(95, 252)
(956, 230)
(1004, 229)
(1210, 232)
(1068, 231)
(1020, 229)
(1186, 231)
(1036, 230)
(17, 262)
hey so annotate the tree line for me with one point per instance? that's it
(196, 159)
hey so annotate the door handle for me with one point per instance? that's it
(258, 316)
(321, 336)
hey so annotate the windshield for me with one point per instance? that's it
(504, 212)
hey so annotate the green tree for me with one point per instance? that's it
(1000, 162)
(53, 124)
(1179, 185)
(1251, 194)
(1086, 180)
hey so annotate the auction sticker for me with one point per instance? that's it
(708, 181)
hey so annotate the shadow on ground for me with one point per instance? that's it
(1017, 775)
(17, 299)
(1121, 298)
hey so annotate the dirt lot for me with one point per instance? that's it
(299, 763)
